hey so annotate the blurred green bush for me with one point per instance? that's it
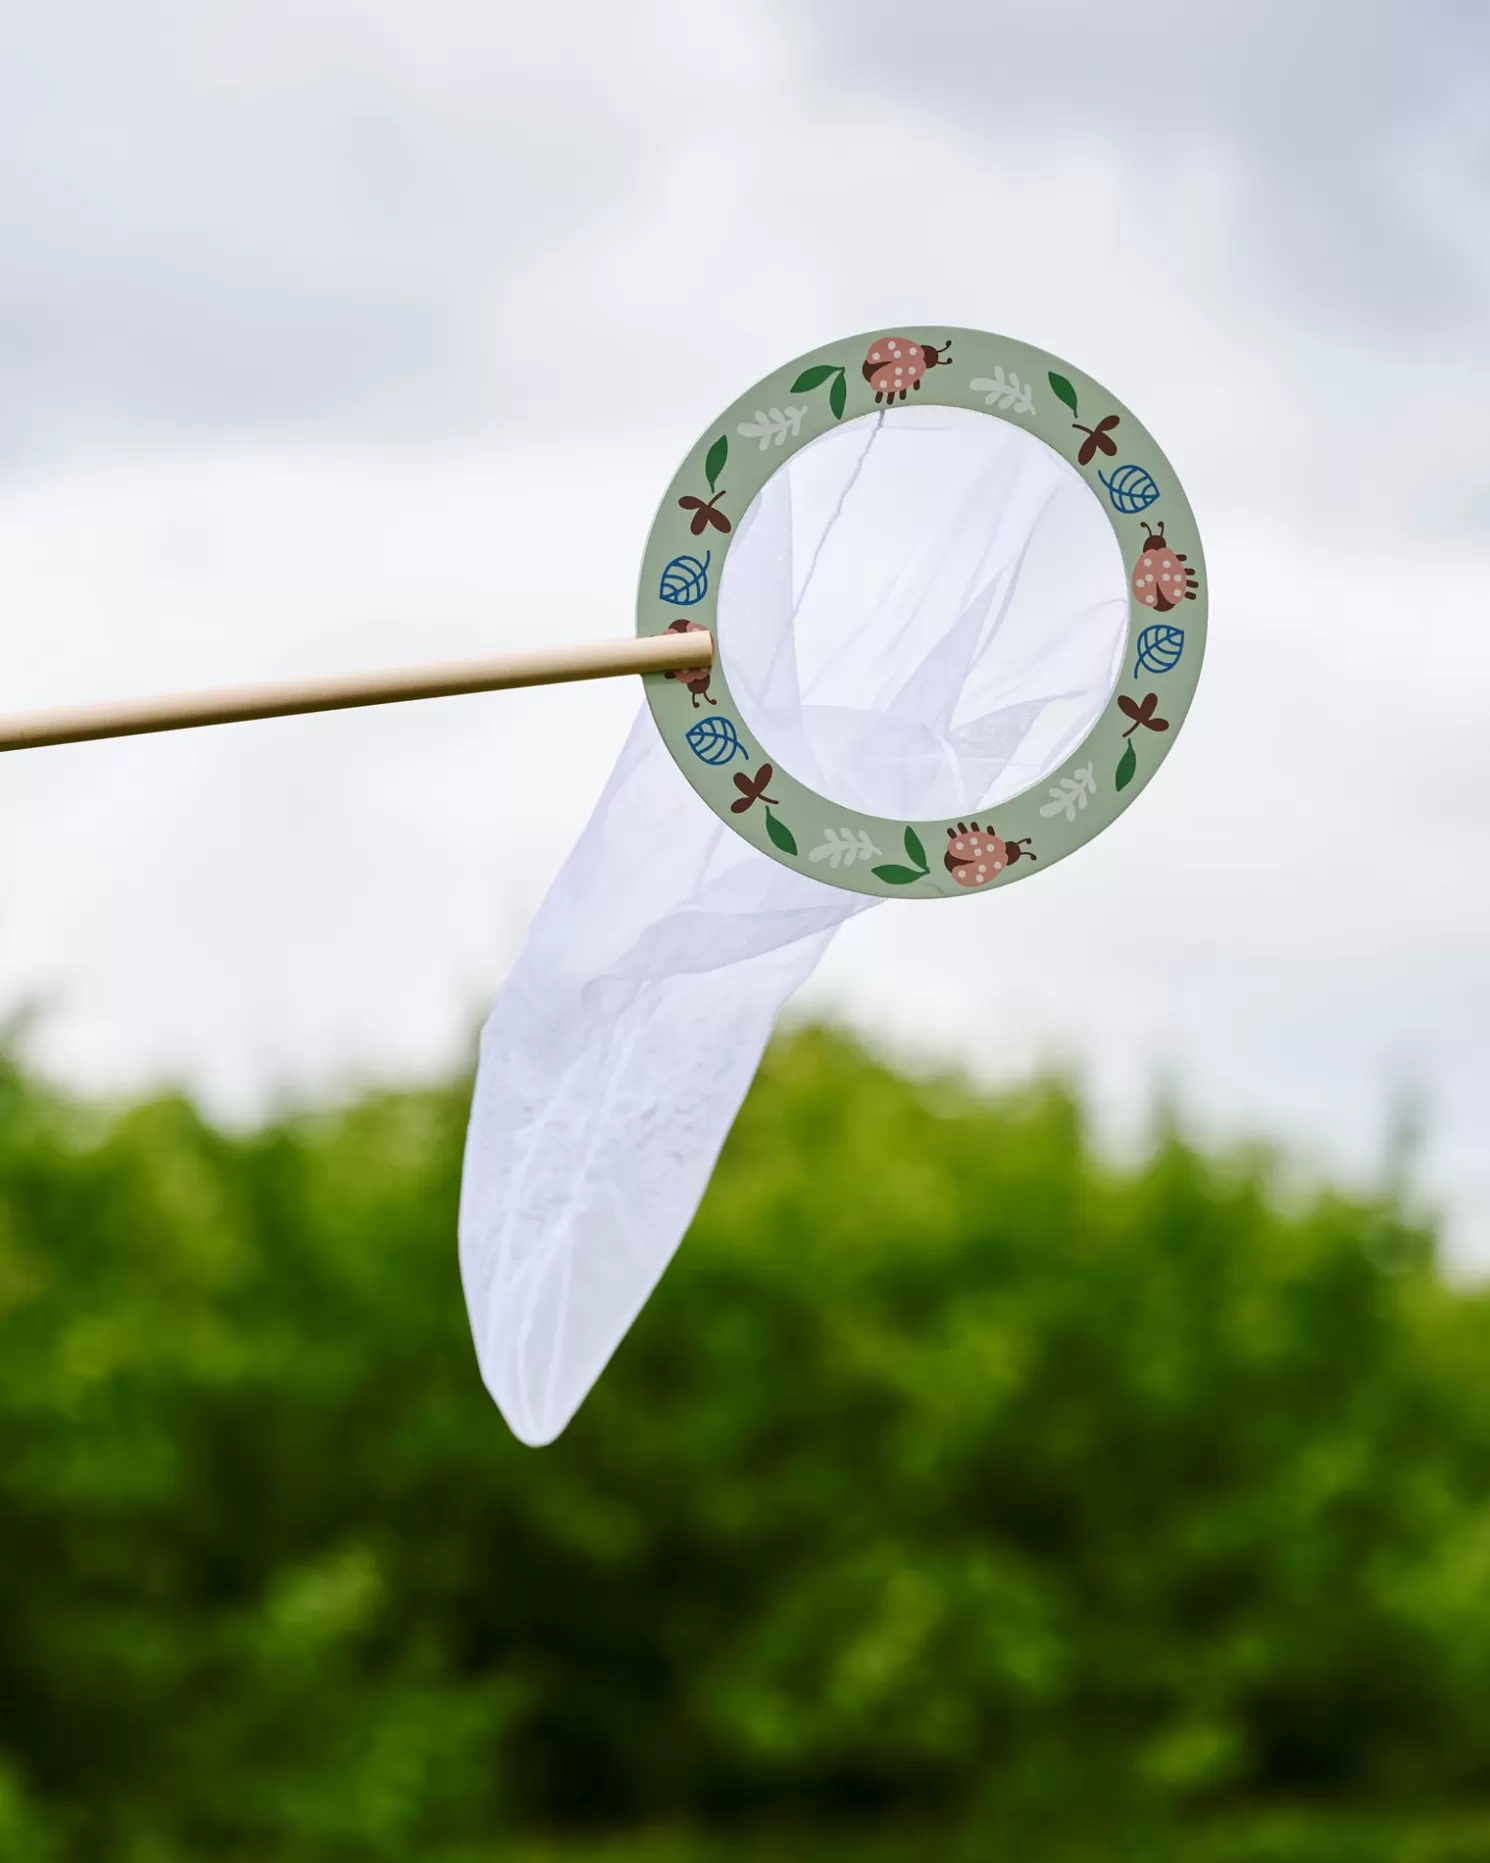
(956, 1486)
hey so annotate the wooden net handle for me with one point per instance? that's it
(548, 666)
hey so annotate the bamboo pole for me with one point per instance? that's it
(183, 711)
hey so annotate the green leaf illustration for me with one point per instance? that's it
(914, 848)
(1065, 391)
(780, 834)
(838, 395)
(814, 377)
(899, 876)
(714, 464)
(1127, 768)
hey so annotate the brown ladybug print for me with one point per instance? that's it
(696, 678)
(976, 855)
(1160, 579)
(895, 363)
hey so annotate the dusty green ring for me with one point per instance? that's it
(1009, 381)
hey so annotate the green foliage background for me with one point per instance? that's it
(958, 1495)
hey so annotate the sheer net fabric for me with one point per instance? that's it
(921, 613)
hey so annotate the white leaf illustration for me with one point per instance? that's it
(773, 424)
(841, 847)
(1006, 392)
(1071, 793)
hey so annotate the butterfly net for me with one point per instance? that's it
(921, 614)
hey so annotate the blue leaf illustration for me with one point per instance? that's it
(1159, 648)
(686, 580)
(1131, 489)
(715, 740)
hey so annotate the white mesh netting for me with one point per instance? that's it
(921, 613)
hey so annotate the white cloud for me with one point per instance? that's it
(1317, 104)
(287, 215)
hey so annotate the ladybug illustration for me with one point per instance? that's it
(1161, 580)
(895, 363)
(696, 678)
(976, 855)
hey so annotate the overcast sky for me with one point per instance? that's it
(318, 319)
